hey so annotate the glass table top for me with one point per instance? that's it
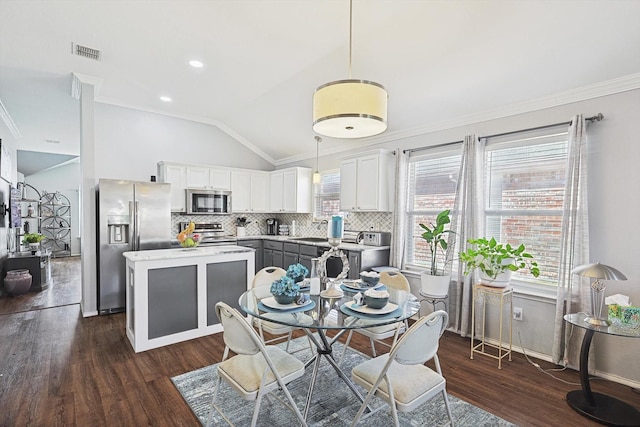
(329, 313)
(578, 319)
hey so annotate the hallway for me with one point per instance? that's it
(64, 289)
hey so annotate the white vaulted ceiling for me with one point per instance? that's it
(442, 62)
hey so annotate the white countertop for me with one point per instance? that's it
(290, 239)
(162, 254)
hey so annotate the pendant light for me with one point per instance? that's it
(350, 108)
(316, 175)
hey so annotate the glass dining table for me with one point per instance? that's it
(318, 315)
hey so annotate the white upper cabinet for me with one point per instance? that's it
(207, 177)
(290, 190)
(249, 191)
(367, 182)
(176, 175)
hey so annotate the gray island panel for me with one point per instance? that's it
(225, 282)
(173, 300)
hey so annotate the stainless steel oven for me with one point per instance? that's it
(205, 201)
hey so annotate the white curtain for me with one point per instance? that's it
(573, 291)
(468, 221)
(398, 219)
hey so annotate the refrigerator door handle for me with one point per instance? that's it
(136, 221)
(133, 227)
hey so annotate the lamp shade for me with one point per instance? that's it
(599, 271)
(350, 109)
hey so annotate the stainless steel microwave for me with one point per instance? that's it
(205, 201)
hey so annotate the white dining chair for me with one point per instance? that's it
(391, 279)
(256, 369)
(261, 289)
(400, 377)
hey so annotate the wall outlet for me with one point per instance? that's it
(517, 313)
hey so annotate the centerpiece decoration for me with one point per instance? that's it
(297, 272)
(496, 261)
(187, 238)
(285, 290)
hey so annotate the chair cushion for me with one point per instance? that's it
(409, 382)
(246, 371)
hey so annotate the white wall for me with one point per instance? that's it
(130, 143)
(66, 180)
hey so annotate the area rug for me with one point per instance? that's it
(333, 404)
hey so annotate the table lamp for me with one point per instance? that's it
(599, 272)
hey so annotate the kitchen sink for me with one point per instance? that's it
(310, 239)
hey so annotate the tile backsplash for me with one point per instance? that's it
(305, 224)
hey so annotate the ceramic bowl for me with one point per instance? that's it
(371, 278)
(376, 299)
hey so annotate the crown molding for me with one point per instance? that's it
(77, 80)
(6, 118)
(609, 87)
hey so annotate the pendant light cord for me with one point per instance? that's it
(318, 139)
(350, 34)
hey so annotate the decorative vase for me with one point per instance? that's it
(284, 299)
(34, 247)
(502, 280)
(298, 279)
(17, 282)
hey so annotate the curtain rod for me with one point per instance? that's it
(446, 144)
(595, 118)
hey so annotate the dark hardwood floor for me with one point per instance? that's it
(59, 369)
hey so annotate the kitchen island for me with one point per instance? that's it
(171, 293)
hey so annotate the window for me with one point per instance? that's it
(431, 188)
(524, 180)
(327, 194)
(524, 196)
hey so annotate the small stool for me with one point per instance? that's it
(493, 296)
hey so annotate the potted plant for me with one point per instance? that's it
(285, 290)
(32, 240)
(435, 281)
(496, 261)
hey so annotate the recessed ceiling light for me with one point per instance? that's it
(196, 64)
(165, 99)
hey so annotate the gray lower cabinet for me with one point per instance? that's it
(272, 254)
(290, 254)
(257, 245)
(306, 253)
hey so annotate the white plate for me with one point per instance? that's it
(390, 307)
(359, 285)
(272, 303)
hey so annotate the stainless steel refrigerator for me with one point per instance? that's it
(131, 216)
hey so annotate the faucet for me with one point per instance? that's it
(324, 221)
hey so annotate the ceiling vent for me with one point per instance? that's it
(52, 141)
(85, 51)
